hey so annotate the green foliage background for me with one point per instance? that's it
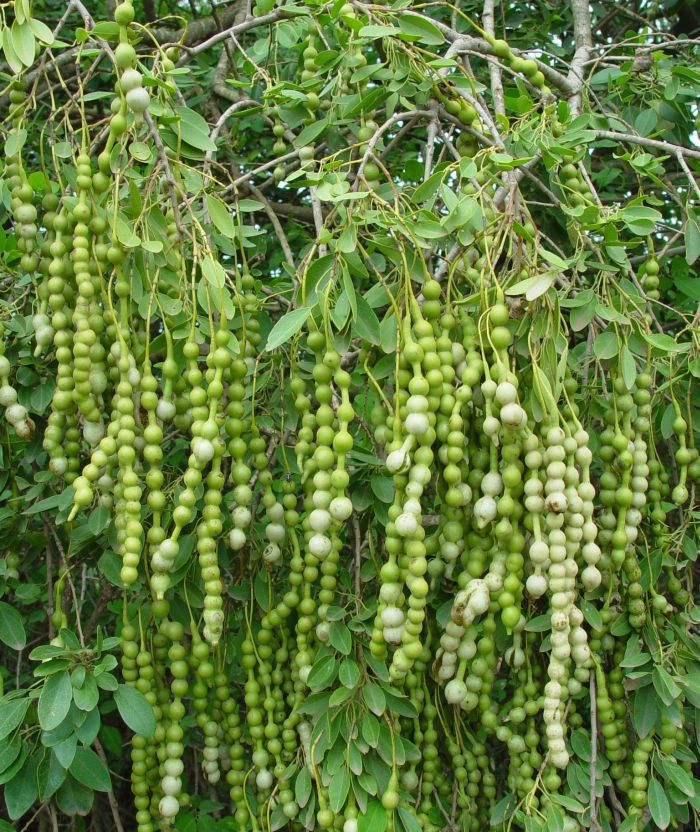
(310, 168)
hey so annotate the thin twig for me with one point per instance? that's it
(110, 794)
(358, 554)
(169, 178)
(49, 529)
(656, 144)
(594, 752)
(274, 222)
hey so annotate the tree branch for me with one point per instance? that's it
(583, 39)
(656, 144)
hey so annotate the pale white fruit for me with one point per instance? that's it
(392, 635)
(168, 806)
(272, 553)
(484, 510)
(390, 592)
(165, 410)
(406, 524)
(137, 100)
(203, 450)
(174, 768)
(340, 508)
(513, 416)
(397, 460)
(392, 617)
(492, 484)
(93, 432)
(416, 424)
(417, 404)
(8, 395)
(236, 539)
(171, 785)
(506, 393)
(169, 549)
(131, 80)
(320, 546)
(455, 691)
(241, 517)
(275, 532)
(319, 520)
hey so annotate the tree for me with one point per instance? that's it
(349, 371)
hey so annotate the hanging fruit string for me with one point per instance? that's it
(486, 393)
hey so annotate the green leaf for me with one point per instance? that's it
(349, 673)
(221, 216)
(10, 55)
(194, 130)
(9, 752)
(658, 804)
(375, 698)
(311, 132)
(370, 729)
(23, 42)
(665, 343)
(533, 287)
(287, 326)
(503, 810)
(65, 750)
(421, 29)
(640, 219)
(338, 789)
(374, 819)
(377, 31)
(692, 238)
(581, 744)
(15, 141)
(11, 627)
(50, 776)
(322, 673)
(214, 273)
(89, 727)
(539, 624)
(15, 766)
(98, 520)
(664, 684)
(73, 798)
(367, 323)
(645, 710)
(55, 700)
(22, 791)
(302, 787)
(606, 345)
(581, 315)
(41, 31)
(87, 695)
(409, 820)
(629, 367)
(339, 636)
(135, 710)
(676, 775)
(88, 769)
(645, 122)
(383, 487)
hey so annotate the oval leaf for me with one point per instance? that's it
(135, 710)
(88, 769)
(287, 326)
(11, 627)
(54, 700)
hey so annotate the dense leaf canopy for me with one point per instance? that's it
(349, 360)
